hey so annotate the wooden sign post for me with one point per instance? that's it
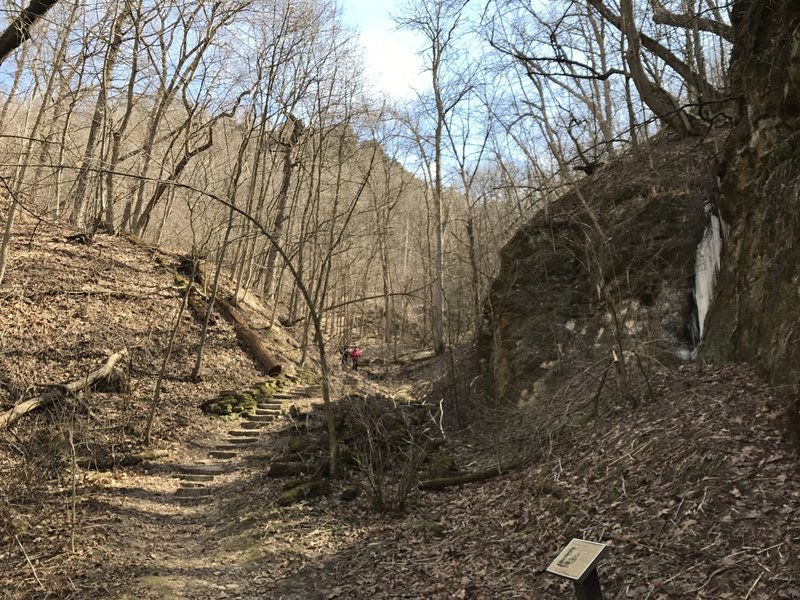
(578, 563)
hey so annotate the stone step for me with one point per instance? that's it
(277, 405)
(192, 500)
(204, 469)
(192, 484)
(228, 446)
(242, 441)
(241, 433)
(251, 425)
(192, 492)
(287, 396)
(194, 477)
(267, 411)
(259, 418)
(223, 454)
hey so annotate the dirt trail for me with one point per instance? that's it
(170, 548)
(193, 528)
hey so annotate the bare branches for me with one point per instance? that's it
(707, 90)
(532, 65)
(691, 21)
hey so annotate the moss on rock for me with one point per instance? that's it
(287, 469)
(230, 403)
(307, 377)
(305, 491)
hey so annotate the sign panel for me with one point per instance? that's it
(577, 560)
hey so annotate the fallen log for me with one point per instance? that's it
(187, 266)
(252, 341)
(199, 307)
(443, 482)
(106, 462)
(416, 357)
(62, 391)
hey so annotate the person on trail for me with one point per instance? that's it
(345, 352)
(354, 356)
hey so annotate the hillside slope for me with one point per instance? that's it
(693, 491)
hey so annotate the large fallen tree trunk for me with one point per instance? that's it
(62, 391)
(252, 341)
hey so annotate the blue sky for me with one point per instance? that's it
(393, 66)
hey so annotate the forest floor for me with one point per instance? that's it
(695, 492)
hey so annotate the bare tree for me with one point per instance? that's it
(99, 116)
(438, 22)
(30, 136)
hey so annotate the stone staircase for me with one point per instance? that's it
(195, 480)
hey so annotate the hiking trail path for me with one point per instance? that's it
(189, 530)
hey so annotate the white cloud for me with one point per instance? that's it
(392, 64)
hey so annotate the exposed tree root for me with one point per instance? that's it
(441, 483)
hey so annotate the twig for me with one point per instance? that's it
(710, 577)
(752, 587)
(770, 548)
(596, 399)
(73, 500)
(16, 537)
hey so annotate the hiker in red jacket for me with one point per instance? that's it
(354, 356)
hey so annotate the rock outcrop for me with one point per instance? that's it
(566, 276)
(605, 271)
(756, 314)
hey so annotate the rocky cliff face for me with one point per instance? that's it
(609, 269)
(605, 272)
(756, 314)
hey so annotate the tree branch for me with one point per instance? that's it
(689, 21)
(8, 417)
(531, 65)
(708, 92)
(20, 28)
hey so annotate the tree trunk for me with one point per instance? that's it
(251, 340)
(79, 202)
(441, 483)
(118, 132)
(663, 105)
(289, 141)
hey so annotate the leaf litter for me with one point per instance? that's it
(693, 492)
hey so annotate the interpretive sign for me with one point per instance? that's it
(577, 560)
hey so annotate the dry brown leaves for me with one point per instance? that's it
(694, 492)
